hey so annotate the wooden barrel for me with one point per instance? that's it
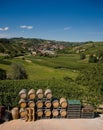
(15, 113)
(47, 113)
(7, 116)
(55, 112)
(31, 94)
(63, 102)
(31, 104)
(47, 103)
(63, 113)
(23, 94)
(39, 112)
(23, 113)
(22, 103)
(2, 112)
(55, 103)
(39, 93)
(2, 109)
(39, 104)
(48, 93)
(1, 116)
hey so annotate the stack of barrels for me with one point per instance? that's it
(26, 109)
(27, 105)
(59, 108)
(38, 104)
(43, 103)
(63, 109)
(47, 103)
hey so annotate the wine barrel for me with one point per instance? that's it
(39, 104)
(15, 113)
(47, 103)
(55, 112)
(48, 93)
(47, 113)
(23, 113)
(39, 93)
(22, 103)
(2, 109)
(63, 102)
(63, 113)
(1, 117)
(31, 94)
(7, 116)
(55, 103)
(39, 112)
(2, 112)
(23, 94)
(31, 104)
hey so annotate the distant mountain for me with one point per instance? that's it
(21, 46)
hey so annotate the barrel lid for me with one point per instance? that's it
(31, 91)
(22, 91)
(31, 102)
(21, 101)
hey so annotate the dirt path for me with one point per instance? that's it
(54, 124)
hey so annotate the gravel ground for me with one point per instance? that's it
(54, 124)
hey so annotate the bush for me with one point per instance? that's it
(2, 74)
(92, 59)
(17, 71)
(82, 56)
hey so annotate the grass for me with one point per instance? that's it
(44, 68)
(40, 72)
(70, 61)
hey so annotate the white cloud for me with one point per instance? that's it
(4, 29)
(26, 27)
(67, 28)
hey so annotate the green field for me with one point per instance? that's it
(39, 68)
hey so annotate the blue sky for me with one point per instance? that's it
(68, 20)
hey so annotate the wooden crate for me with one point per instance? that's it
(87, 114)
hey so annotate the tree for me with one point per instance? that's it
(92, 59)
(82, 56)
(17, 71)
(2, 74)
(100, 56)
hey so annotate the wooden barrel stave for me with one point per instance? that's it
(15, 113)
